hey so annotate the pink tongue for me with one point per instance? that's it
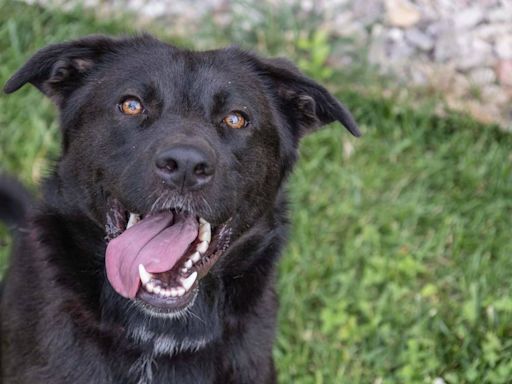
(156, 242)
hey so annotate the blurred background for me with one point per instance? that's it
(399, 266)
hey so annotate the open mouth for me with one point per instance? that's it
(160, 257)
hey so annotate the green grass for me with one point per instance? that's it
(399, 265)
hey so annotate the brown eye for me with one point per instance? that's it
(235, 120)
(131, 106)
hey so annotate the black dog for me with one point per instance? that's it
(189, 151)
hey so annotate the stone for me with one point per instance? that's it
(395, 34)
(494, 94)
(450, 44)
(501, 14)
(377, 49)
(367, 12)
(154, 9)
(402, 13)
(400, 51)
(505, 72)
(468, 18)
(503, 47)
(353, 30)
(474, 53)
(419, 39)
(491, 32)
(482, 76)
(437, 28)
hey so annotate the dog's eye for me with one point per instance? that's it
(235, 120)
(131, 106)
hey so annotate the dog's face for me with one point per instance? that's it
(187, 149)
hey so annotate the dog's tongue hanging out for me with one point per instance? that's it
(157, 242)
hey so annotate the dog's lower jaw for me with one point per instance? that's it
(178, 314)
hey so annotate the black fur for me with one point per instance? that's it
(61, 320)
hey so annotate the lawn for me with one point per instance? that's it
(399, 266)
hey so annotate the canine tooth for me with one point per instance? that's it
(196, 256)
(188, 264)
(189, 281)
(203, 221)
(134, 219)
(205, 232)
(145, 276)
(181, 291)
(202, 247)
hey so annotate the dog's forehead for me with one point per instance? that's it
(173, 67)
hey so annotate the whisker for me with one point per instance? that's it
(196, 316)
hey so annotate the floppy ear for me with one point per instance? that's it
(58, 69)
(306, 103)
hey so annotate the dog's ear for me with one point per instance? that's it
(306, 103)
(58, 69)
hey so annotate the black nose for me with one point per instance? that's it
(185, 167)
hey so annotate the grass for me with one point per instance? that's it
(399, 265)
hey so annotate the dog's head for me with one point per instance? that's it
(176, 153)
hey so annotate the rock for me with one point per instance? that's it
(419, 39)
(307, 5)
(353, 30)
(449, 44)
(402, 13)
(395, 34)
(377, 49)
(367, 12)
(494, 94)
(505, 72)
(482, 76)
(154, 9)
(491, 32)
(400, 50)
(503, 47)
(502, 14)
(468, 18)
(475, 54)
(435, 29)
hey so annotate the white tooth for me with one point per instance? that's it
(184, 270)
(157, 289)
(195, 257)
(188, 264)
(134, 219)
(145, 276)
(189, 281)
(203, 221)
(205, 232)
(202, 247)
(150, 287)
(166, 292)
(181, 291)
(174, 292)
